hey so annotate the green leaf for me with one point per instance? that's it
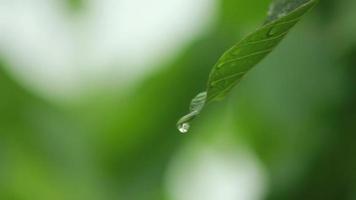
(240, 58)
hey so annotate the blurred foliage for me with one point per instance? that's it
(296, 111)
(76, 5)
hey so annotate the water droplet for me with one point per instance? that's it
(282, 14)
(220, 66)
(272, 32)
(184, 128)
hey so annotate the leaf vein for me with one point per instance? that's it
(246, 56)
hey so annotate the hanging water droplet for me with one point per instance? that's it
(184, 128)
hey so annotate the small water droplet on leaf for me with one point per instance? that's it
(272, 32)
(184, 128)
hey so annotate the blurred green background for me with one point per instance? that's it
(75, 125)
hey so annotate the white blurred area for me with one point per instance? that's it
(111, 43)
(205, 171)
